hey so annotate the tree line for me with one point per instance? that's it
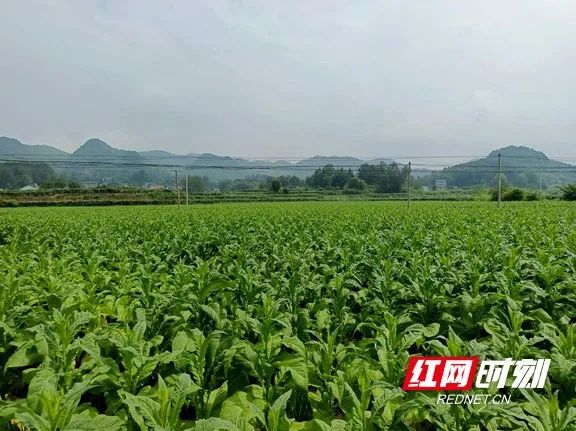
(14, 175)
(382, 178)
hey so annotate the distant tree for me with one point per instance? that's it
(240, 184)
(294, 181)
(417, 183)
(340, 178)
(513, 195)
(387, 178)
(370, 174)
(18, 174)
(355, 184)
(494, 193)
(286, 181)
(275, 185)
(569, 192)
(290, 181)
(197, 184)
(322, 177)
(329, 177)
(532, 196)
(225, 185)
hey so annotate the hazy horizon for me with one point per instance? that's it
(291, 80)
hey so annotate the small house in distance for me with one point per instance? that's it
(153, 186)
(29, 188)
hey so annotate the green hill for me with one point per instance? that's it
(96, 150)
(97, 161)
(13, 149)
(521, 167)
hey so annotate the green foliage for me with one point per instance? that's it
(281, 317)
(60, 183)
(19, 174)
(197, 184)
(355, 184)
(329, 177)
(386, 178)
(290, 181)
(569, 192)
(513, 195)
(275, 186)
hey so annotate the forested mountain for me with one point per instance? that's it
(521, 167)
(13, 149)
(159, 157)
(97, 161)
(98, 150)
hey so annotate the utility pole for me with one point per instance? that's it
(177, 188)
(409, 181)
(186, 174)
(499, 179)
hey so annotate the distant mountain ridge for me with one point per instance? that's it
(95, 160)
(95, 147)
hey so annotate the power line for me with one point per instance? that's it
(479, 168)
(272, 159)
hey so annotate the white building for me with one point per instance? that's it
(29, 187)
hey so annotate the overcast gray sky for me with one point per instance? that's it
(291, 78)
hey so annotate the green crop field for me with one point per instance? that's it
(281, 316)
